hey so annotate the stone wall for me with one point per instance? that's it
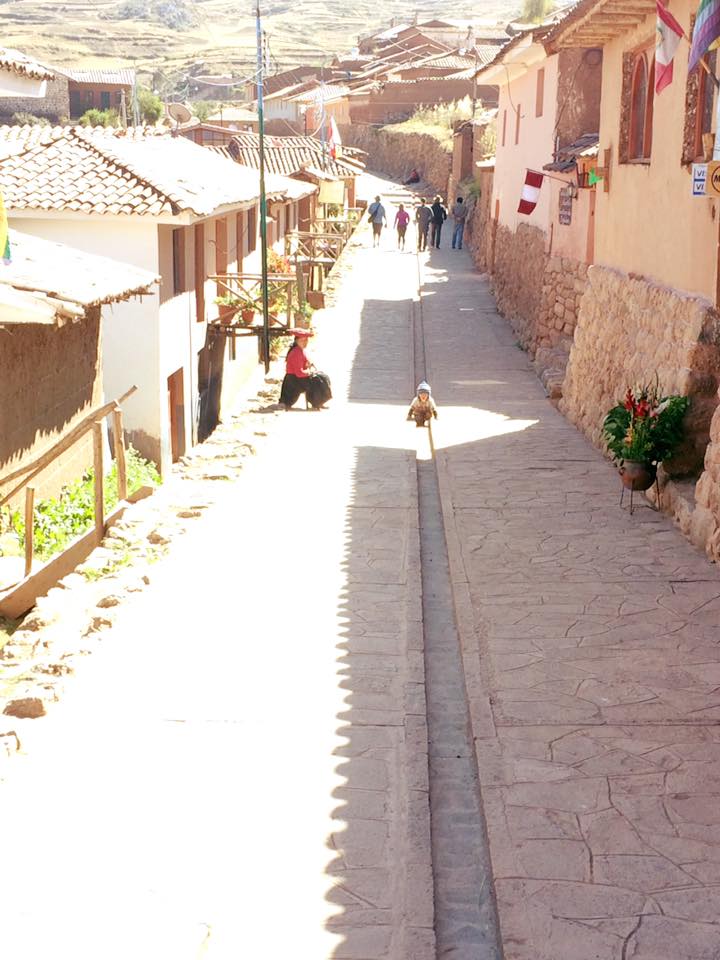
(479, 231)
(395, 154)
(518, 279)
(55, 105)
(564, 283)
(702, 524)
(630, 329)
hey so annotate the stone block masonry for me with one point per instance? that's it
(396, 154)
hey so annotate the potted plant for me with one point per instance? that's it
(236, 305)
(642, 431)
(303, 314)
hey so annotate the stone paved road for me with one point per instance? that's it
(592, 657)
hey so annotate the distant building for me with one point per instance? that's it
(99, 90)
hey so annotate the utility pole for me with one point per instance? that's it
(263, 209)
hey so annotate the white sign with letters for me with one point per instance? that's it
(699, 178)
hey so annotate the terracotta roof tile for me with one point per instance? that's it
(23, 66)
(288, 155)
(81, 171)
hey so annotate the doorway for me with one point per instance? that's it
(176, 409)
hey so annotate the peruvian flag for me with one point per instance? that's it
(334, 140)
(530, 191)
(669, 35)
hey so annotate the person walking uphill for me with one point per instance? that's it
(376, 215)
(402, 219)
(439, 216)
(423, 216)
(459, 213)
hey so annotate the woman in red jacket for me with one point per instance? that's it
(302, 377)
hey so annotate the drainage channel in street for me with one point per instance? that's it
(466, 925)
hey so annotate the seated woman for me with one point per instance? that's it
(302, 377)
(414, 177)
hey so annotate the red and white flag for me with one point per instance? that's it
(669, 35)
(530, 191)
(334, 140)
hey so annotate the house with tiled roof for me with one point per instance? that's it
(547, 101)
(99, 89)
(300, 158)
(25, 84)
(165, 205)
(52, 301)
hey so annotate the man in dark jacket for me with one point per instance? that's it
(439, 216)
(423, 216)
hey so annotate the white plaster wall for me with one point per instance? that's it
(534, 149)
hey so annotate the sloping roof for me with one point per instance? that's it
(55, 279)
(288, 155)
(593, 23)
(152, 176)
(521, 42)
(23, 66)
(588, 145)
(289, 78)
(17, 139)
(234, 115)
(118, 77)
(326, 93)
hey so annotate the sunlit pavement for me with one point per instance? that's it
(228, 775)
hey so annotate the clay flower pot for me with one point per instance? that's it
(247, 317)
(636, 475)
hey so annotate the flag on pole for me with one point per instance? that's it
(334, 140)
(706, 31)
(669, 35)
(530, 191)
(4, 234)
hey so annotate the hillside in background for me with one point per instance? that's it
(163, 38)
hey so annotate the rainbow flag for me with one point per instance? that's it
(4, 234)
(706, 31)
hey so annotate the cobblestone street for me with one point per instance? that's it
(252, 764)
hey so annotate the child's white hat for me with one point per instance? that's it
(423, 386)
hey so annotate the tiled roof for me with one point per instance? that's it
(152, 176)
(288, 78)
(17, 139)
(588, 145)
(23, 66)
(287, 155)
(62, 273)
(326, 93)
(120, 77)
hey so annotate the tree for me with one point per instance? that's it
(535, 11)
(203, 109)
(151, 106)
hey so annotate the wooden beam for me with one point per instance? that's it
(29, 531)
(98, 481)
(120, 462)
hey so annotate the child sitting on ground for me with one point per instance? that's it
(423, 406)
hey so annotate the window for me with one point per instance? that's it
(199, 272)
(504, 127)
(699, 110)
(637, 106)
(178, 255)
(517, 124)
(540, 92)
(104, 99)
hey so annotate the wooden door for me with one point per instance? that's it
(176, 408)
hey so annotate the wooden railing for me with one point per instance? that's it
(92, 423)
(314, 248)
(246, 289)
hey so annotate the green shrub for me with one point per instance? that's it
(100, 118)
(59, 520)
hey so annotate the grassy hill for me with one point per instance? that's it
(165, 37)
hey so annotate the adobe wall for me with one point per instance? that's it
(517, 280)
(395, 154)
(628, 330)
(398, 101)
(55, 105)
(52, 379)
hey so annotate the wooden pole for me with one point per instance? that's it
(29, 532)
(263, 199)
(120, 461)
(98, 465)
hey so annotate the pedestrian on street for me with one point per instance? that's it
(423, 408)
(402, 219)
(302, 377)
(439, 216)
(459, 212)
(423, 216)
(376, 215)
